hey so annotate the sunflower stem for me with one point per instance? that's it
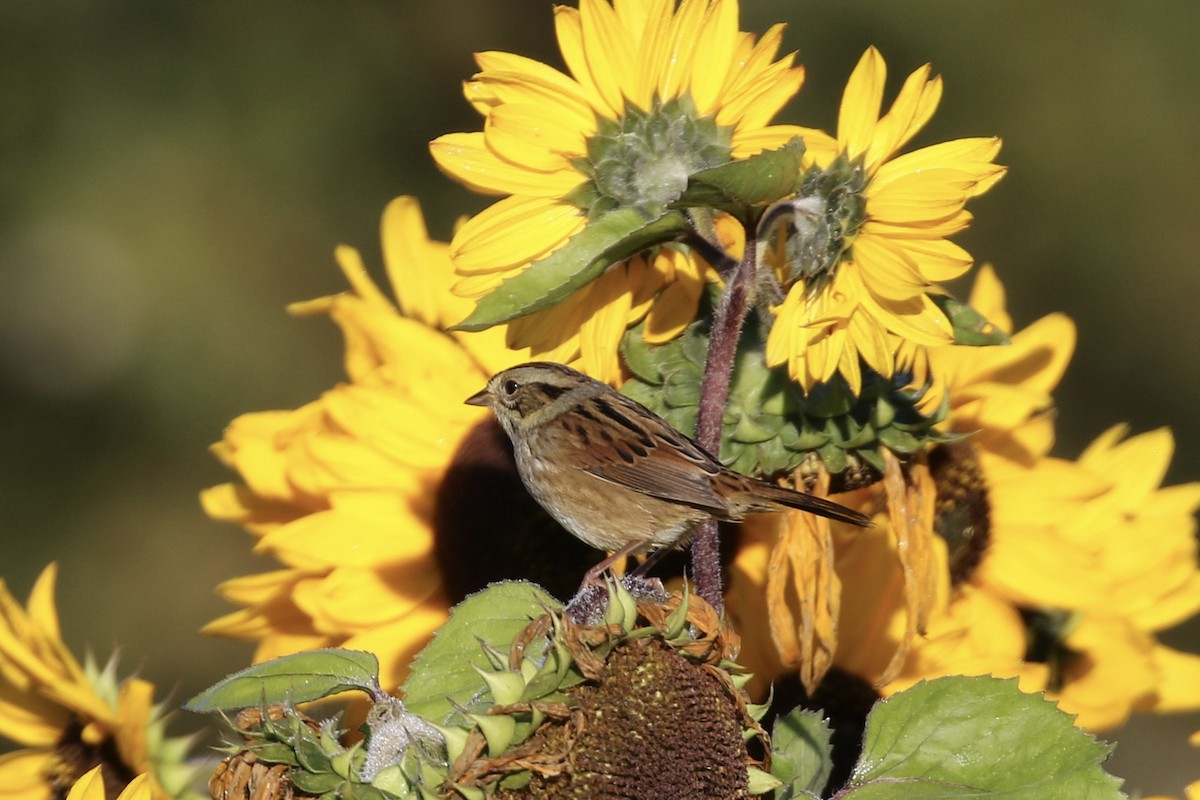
(711, 252)
(714, 392)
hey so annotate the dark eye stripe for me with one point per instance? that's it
(553, 392)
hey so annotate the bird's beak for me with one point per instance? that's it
(481, 398)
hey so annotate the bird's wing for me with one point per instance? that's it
(649, 456)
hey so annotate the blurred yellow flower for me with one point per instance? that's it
(654, 93)
(69, 718)
(871, 233)
(91, 786)
(375, 497)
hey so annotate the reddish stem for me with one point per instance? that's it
(714, 392)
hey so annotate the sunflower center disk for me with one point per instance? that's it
(644, 159)
(963, 511)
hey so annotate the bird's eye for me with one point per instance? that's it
(510, 387)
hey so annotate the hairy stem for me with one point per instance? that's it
(714, 392)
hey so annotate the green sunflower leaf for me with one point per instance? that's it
(801, 754)
(970, 327)
(758, 180)
(976, 738)
(444, 676)
(297, 678)
(606, 240)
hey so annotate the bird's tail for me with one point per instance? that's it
(813, 505)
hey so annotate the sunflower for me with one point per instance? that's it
(376, 496)
(652, 94)
(1037, 576)
(70, 718)
(867, 234)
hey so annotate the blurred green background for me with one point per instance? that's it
(172, 174)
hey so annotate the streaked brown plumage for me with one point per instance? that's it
(616, 474)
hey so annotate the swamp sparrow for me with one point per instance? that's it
(616, 474)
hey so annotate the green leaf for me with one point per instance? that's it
(758, 180)
(975, 738)
(605, 240)
(361, 791)
(277, 753)
(801, 755)
(443, 673)
(297, 678)
(315, 784)
(970, 327)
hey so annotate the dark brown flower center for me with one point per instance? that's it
(1046, 643)
(73, 757)
(655, 725)
(962, 515)
(487, 528)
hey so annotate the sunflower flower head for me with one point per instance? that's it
(71, 719)
(373, 496)
(865, 238)
(652, 95)
(643, 702)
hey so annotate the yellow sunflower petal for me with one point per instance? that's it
(262, 587)
(871, 344)
(715, 47)
(467, 158)
(41, 608)
(677, 60)
(941, 260)
(988, 298)
(861, 103)
(140, 788)
(887, 271)
(515, 78)
(610, 55)
(758, 103)
(1179, 680)
(917, 319)
(529, 137)
(917, 197)
(760, 87)
(135, 706)
(610, 300)
(976, 634)
(970, 158)
(1137, 465)
(650, 24)
(804, 594)
(770, 137)
(553, 334)
(23, 775)
(568, 29)
(353, 599)
(1113, 673)
(677, 303)
(513, 232)
(914, 105)
(28, 719)
(90, 786)
(362, 528)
